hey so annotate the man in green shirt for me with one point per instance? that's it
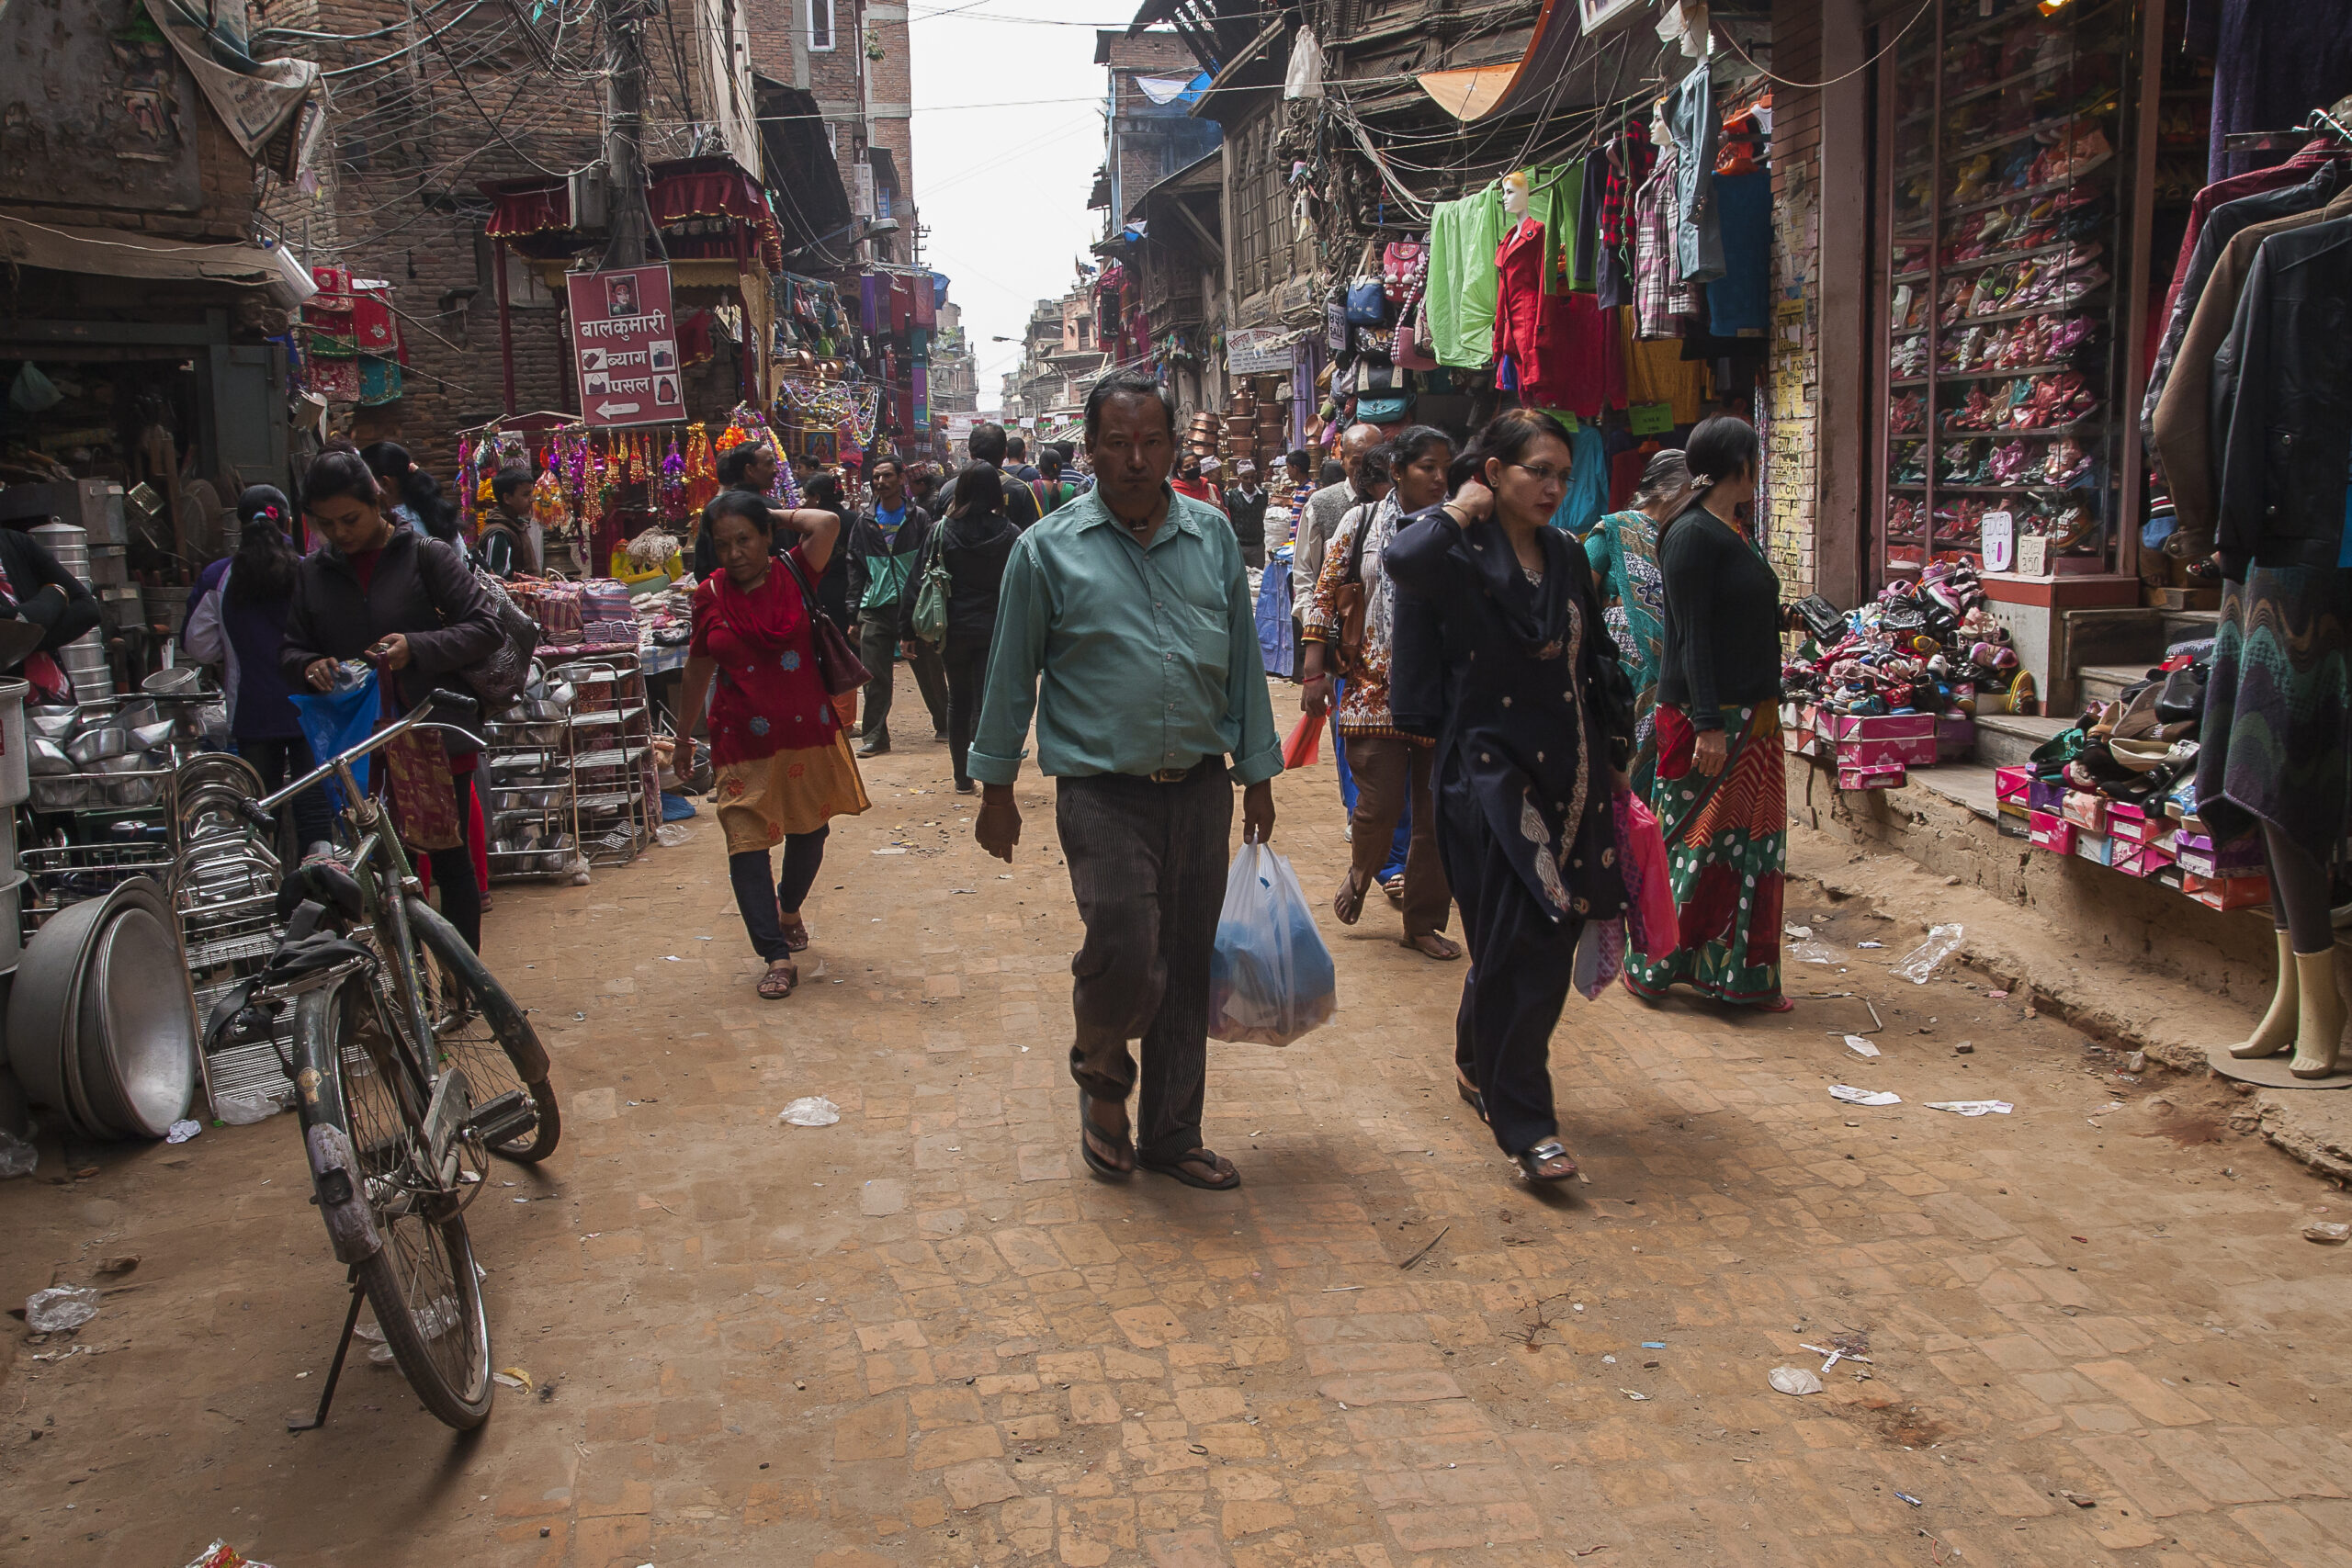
(1130, 606)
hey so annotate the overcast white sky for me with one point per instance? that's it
(1003, 189)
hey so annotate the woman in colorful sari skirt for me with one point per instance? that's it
(782, 758)
(1499, 639)
(1721, 794)
(1623, 548)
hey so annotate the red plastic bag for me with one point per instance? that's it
(1305, 744)
(1651, 927)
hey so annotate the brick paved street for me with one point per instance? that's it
(924, 1335)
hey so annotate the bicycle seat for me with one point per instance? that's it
(322, 880)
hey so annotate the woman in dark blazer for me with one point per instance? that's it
(1534, 737)
(406, 601)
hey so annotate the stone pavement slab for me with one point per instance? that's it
(924, 1335)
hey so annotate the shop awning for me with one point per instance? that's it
(1482, 92)
(687, 189)
(116, 252)
(521, 207)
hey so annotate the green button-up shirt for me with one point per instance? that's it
(1149, 656)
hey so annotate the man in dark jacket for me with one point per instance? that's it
(884, 544)
(1245, 505)
(747, 465)
(987, 443)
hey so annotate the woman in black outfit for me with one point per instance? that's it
(34, 587)
(1534, 734)
(975, 541)
(406, 601)
(1721, 791)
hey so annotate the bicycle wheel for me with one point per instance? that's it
(477, 1026)
(422, 1282)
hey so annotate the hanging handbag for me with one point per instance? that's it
(1415, 350)
(1401, 262)
(1385, 407)
(837, 665)
(1367, 302)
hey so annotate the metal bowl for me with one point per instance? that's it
(131, 794)
(54, 721)
(47, 757)
(140, 711)
(128, 762)
(68, 793)
(96, 745)
(180, 681)
(138, 1028)
(152, 735)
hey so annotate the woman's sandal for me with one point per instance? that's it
(1777, 1004)
(1548, 1152)
(1470, 1096)
(1087, 1132)
(779, 982)
(1347, 902)
(1178, 1168)
(795, 937)
(1431, 945)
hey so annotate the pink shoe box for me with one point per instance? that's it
(1955, 738)
(2085, 810)
(1872, 777)
(2131, 824)
(1879, 725)
(2226, 892)
(2097, 848)
(2051, 833)
(1867, 754)
(2013, 783)
(2139, 860)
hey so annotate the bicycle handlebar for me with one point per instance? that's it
(418, 718)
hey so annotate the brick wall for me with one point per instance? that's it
(399, 200)
(1792, 383)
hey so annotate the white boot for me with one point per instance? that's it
(2276, 1033)
(2321, 1025)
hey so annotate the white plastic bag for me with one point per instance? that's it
(1271, 979)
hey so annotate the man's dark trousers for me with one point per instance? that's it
(1146, 864)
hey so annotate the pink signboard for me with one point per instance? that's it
(625, 342)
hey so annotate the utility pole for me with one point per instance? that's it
(624, 23)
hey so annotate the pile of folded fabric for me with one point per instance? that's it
(1926, 646)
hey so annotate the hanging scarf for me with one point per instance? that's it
(1539, 615)
(46, 676)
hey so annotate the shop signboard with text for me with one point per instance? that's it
(625, 342)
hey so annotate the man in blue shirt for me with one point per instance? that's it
(1130, 606)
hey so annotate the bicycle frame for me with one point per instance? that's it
(379, 859)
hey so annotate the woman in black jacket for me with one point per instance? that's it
(34, 587)
(1533, 735)
(974, 542)
(409, 604)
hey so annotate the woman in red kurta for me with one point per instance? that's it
(782, 760)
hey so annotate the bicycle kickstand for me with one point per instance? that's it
(342, 1348)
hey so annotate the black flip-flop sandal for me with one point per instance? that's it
(1470, 1096)
(1087, 1132)
(1176, 1167)
(1549, 1149)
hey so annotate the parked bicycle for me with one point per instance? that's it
(411, 1065)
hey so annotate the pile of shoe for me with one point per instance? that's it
(2141, 746)
(1928, 646)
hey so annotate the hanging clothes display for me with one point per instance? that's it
(2279, 193)
(1463, 236)
(2182, 431)
(2272, 63)
(2277, 737)
(1661, 297)
(1739, 302)
(1690, 119)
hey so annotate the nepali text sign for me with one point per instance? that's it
(625, 342)
(1258, 351)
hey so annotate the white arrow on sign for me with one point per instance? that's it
(608, 409)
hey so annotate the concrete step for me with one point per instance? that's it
(2188, 625)
(2006, 739)
(1963, 784)
(2107, 682)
